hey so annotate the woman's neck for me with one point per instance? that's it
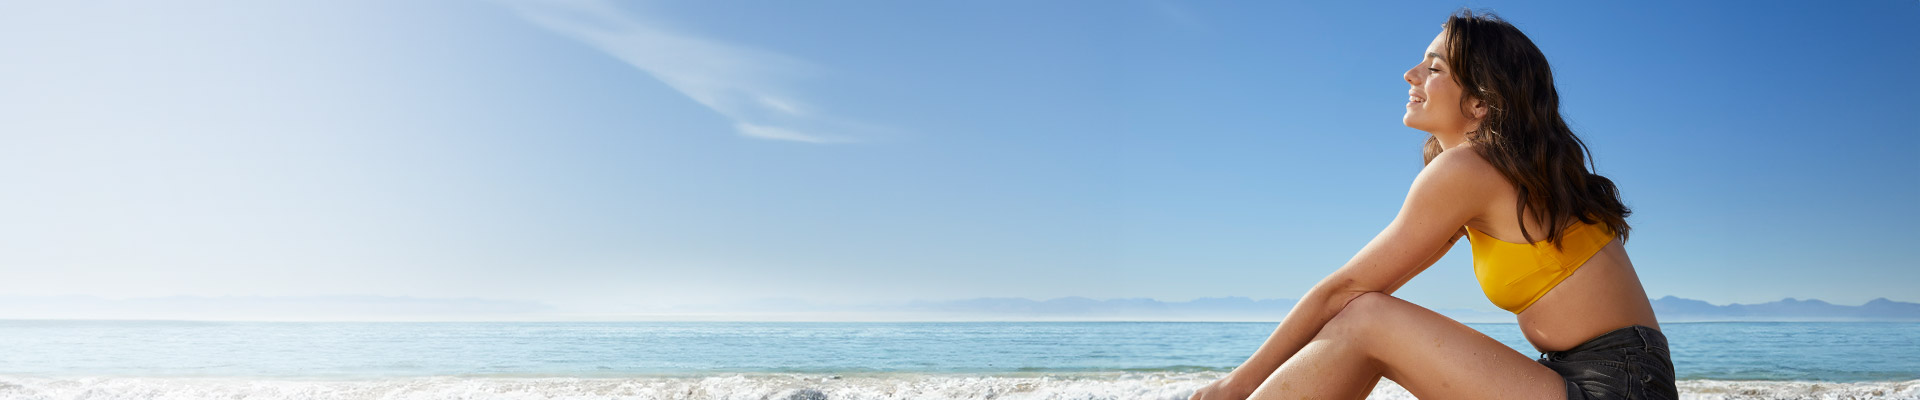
(1448, 142)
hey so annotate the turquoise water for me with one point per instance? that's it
(1825, 351)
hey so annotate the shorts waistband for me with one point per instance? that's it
(1632, 336)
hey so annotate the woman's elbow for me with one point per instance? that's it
(1344, 300)
(1332, 299)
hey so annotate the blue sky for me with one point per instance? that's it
(607, 157)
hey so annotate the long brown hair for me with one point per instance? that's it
(1523, 134)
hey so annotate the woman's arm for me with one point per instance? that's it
(1447, 193)
(1255, 370)
(1430, 261)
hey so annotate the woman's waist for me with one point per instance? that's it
(1558, 323)
(1604, 295)
(1566, 332)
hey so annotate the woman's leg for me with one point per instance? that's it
(1431, 355)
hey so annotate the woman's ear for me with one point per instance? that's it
(1479, 107)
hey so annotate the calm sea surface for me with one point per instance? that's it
(1826, 351)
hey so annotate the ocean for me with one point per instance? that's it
(817, 360)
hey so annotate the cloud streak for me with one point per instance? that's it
(741, 83)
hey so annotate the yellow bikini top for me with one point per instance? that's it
(1515, 275)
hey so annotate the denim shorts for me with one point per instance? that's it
(1628, 363)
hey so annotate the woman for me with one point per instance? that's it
(1504, 170)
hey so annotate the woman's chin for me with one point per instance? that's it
(1416, 125)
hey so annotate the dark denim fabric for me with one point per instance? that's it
(1628, 363)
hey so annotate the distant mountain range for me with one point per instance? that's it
(1789, 309)
(1233, 308)
(1670, 309)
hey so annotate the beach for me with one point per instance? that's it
(819, 360)
(1168, 386)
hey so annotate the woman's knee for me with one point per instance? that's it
(1362, 313)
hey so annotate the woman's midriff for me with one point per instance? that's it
(1603, 295)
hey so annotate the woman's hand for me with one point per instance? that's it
(1224, 389)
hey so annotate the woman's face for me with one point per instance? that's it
(1433, 104)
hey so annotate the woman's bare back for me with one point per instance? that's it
(1603, 295)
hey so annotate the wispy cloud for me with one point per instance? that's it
(739, 82)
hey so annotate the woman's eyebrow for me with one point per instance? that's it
(1435, 55)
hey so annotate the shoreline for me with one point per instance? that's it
(1204, 375)
(794, 386)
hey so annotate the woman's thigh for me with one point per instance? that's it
(1436, 357)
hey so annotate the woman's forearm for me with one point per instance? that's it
(1319, 305)
(1300, 325)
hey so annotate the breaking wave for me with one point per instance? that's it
(1079, 386)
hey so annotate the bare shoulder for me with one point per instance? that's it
(1458, 187)
(1460, 169)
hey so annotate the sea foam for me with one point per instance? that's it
(1090, 386)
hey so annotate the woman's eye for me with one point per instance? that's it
(1433, 69)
